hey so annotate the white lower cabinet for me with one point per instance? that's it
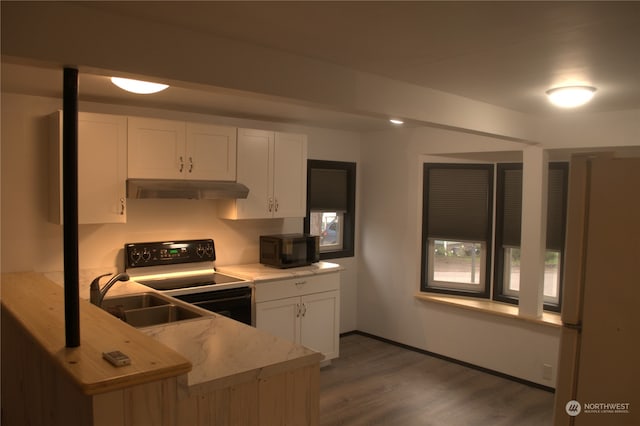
(305, 310)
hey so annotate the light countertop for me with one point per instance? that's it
(221, 351)
(257, 272)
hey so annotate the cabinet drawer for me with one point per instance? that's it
(298, 286)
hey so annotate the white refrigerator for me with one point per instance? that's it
(599, 364)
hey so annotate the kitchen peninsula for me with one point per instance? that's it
(205, 371)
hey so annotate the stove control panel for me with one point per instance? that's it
(168, 253)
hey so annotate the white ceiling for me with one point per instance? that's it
(45, 81)
(502, 53)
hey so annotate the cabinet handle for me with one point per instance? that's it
(304, 309)
(181, 164)
(122, 206)
(299, 283)
(297, 310)
(276, 204)
(270, 205)
(190, 164)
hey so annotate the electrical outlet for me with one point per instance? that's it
(547, 371)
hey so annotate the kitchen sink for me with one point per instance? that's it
(155, 315)
(147, 309)
(134, 301)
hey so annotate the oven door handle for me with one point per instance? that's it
(226, 299)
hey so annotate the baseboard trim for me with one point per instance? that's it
(449, 359)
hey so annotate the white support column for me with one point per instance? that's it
(534, 231)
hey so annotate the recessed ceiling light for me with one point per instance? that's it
(138, 86)
(396, 121)
(570, 96)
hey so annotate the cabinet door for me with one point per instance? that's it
(290, 175)
(102, 168)
(320, 325)
(156, 149)
(254, 169)
(211, 152)
(280, 318)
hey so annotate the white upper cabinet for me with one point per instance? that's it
(102, 168)
(156, 148)
(211, 152)
(274, 167)
(290, 175)
(254, 169)
(166, 149)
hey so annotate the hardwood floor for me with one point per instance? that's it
(376, 383)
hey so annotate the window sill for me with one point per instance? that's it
(491, 307)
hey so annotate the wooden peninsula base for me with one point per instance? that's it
(44, 383)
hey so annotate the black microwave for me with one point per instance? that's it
(289, 250)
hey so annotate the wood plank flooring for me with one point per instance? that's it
(376, 383)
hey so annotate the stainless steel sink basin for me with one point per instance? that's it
(134, 301)
(155, 315)
(147, 309)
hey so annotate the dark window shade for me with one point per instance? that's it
(328, 190)
(459, 201)
(512, 208)
(556, 205)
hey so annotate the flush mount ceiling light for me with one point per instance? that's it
(396, 121)
(570, 96)
(138, 86)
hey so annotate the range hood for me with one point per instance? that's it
(190, 189)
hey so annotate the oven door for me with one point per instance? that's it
(235, 303)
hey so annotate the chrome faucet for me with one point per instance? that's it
(96, 295)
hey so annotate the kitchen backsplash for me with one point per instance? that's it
(161, 220)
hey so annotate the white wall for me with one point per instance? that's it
(389, 273)
(390, 227)
(31, 243)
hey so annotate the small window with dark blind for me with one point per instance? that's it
(331, 187)
(457, 228)
(508, 223)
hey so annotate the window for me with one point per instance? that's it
(328, 225)
(457, 264)
(508, 222)
(456, 228)
(331, 187)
